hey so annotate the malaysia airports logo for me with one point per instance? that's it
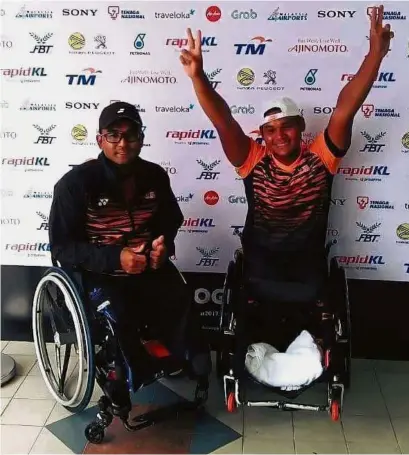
(246, 14)
(310, 80)
(242, 110)
(115, 12)
(373, 143)
(79, 134)
(89, 78)
(208, 257)
(211, 197)
(175, 14)
(150, 77)
(25, 13)
(197, 225)
(319, 45)
(405, 143)
(368, 234)
(43, 225)
(139, 45)
(369, 110)
(388, 15)
(368, 262)
(31, 106)
(185, 198)
(384, 80)
(174, 109)
(246, 78)
(208, 42)
(42, 47)
(45, 137)
(38, 194)
(278, 16)
(336, 14)
(192, 137)
(80, 46)
(256, 46)
(24, 75)
(208, 172)
(30, 249)
(212, 77)
(364, 203)
(364, 173)
(213, 13)
(402, 232)
(26, 163)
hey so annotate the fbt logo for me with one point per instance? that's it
(204, 296)
(367, 235)
(208, 258)
(364, 173)
(44, 137)
(211, 198)
(44, 222)
(237, 230)
(83, 79)
(212, 78)
(41, 47)
(372, 145)
(188, 137)
(236, 14)
(367, 262)
(208, 173)
(251, 48)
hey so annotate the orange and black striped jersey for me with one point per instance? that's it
(288, 205)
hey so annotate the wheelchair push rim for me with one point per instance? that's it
(57, 385)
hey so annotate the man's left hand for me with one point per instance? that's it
(159, 252)
(380, 35)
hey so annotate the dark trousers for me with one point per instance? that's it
(160, 300)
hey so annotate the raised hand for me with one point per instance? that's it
(380, 35)
(191, 58)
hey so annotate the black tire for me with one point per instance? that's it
(94, 433)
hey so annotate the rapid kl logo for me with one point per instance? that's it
(192, 137)
(367, 235)
(207, 172)
(358, 262)
(252, 48)
(208, 258)
(197, 225)
(36, 249)
(179, 43)
(364, 173)
(44, 223)
(83, 79)
(382, 82)
(372, 145)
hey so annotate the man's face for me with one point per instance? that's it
(121, 141)
(283, 136)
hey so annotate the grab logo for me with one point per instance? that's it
(211, 198)
(213, 13)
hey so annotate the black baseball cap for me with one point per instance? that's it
(116, 111)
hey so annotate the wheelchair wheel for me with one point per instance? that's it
(57, 301)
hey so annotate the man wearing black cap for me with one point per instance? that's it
(116, 218)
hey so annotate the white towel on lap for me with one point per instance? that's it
(290, 370)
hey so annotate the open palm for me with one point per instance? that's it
(191, 58)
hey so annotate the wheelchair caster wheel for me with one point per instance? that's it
(94, 433)
(335, 411)
(231, 402)
(201, 396)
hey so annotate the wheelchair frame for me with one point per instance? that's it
(81, 337)
(337, 377)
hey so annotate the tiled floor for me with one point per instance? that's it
(375, 417)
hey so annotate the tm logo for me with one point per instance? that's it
(407, 267)
(41, 47)
(82, 79)
(45, 137)
(367, 235)
(207, 173)
(207, 259)
(252, 48)
(310, 77)
(44, 224)
(372, 146)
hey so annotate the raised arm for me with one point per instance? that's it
(235, 143)
(355, 92)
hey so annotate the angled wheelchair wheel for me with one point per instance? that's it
(62, 340)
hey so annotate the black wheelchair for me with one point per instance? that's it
(86, 339)
(328, 312)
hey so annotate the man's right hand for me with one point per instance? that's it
(192, 59)
(132, 261)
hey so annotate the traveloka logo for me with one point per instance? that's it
(179, 43)
(367, 234)
(388, 15)
(83, 79)
(364, 173)
(318, 45)
(363, 203)
(369, 109)
(372, 145)
(116, 12)
(208, 257)
(286, 17)
(29, 164)
(255, 48)
(174, 109)
(358, 262)
(175, 15)
(36, 249)
(402, 231)
(310, 80)
(24, 75)
(77, 42)
(192, 137)
(41, 47)
(197, 225)
(208, 172)
(212, 77)
(139, 45)
(186, 198)
(25, 13)
(405, 143)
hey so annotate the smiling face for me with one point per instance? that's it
(121, 142)
(283, 137)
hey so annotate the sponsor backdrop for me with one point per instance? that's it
(63, 62)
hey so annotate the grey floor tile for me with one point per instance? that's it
(401, 427)
(317, 426)
(392, 366)
(235, 447)
(273, 423)
(366, 404)
(373, 446)
(365, 429)
(362, 365)
(267, 445)
(327, 447)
